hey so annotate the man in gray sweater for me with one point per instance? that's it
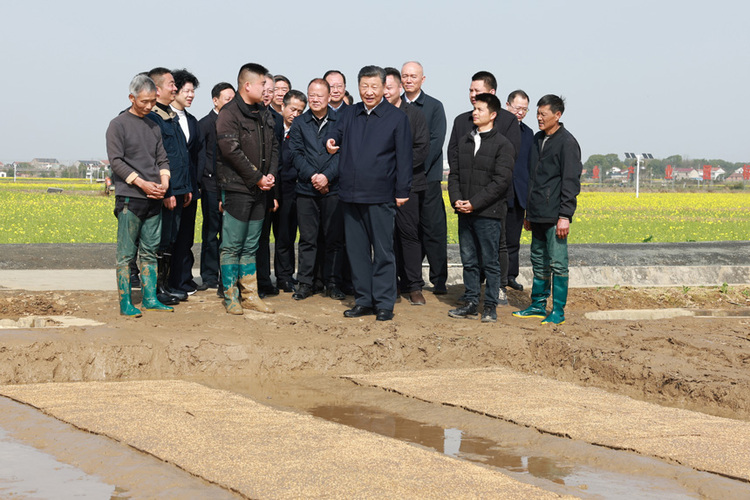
(140, 171)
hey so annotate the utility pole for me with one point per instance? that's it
(638, 158)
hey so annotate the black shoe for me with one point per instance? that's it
(467, 311)
(166, 299)
(318, 288)
(270, 291)
(198, 287)
(220, 292)
(287, 286)
(303, 292)
(335, 292)
(515, 285)
(135, 281)
(213, 285)
(489, 315)
(384, 315)
(439, 290)
(358, 311)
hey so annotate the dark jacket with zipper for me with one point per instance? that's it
(309, 155)
(554, 177)
(484, 178)
(247, 147)
(176, 148)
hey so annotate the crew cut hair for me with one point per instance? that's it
(219, 88)
(488, 78)
(332, 71)
(183, 76)
(493, 103)
(141, 83)
(253, 68)
(391, 71)
(555, 103)
(370, 71)
(158, 73)
(294, 94)
(517, 93)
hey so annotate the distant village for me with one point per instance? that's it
(51, 167)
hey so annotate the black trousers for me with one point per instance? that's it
(369, 244)
(321, 237)
(434, 232)
(408, 247)
(263, 256)
(285, 232)
(182, 254)
(211, 236)
(513, 230)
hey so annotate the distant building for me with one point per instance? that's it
(44, 163)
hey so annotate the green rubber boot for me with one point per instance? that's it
(123, 288)
(540, 288)
(149, 276)
(559, 299)
(249, 286)
(229, 277)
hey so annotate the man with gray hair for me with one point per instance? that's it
(375, 172)
(140, 171)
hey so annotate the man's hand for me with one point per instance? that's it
(464, 206)
(563, 228)
(526, 225)
(400, 201)
(275, 206)
(266, 182)
(153, 190)
(188, 199)
(170, 202)
(221, 207)
(320, 182)
(331, 146)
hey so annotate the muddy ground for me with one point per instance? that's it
(694, 363)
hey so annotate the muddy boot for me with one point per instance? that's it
(167, 263)
(539, 293)
(559, 299)
(229, 273)
(150, 300)
(249, 286)
(123, 288)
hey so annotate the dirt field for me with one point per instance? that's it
(694, 363)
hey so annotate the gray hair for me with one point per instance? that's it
(141, 83)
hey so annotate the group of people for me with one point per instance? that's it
(362, 183)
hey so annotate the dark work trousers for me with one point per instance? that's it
(368, 229)
(170, 225)
(321, 236)
(408, 246)
(434, 232)
(513, 230)
(263, 256)
(285, 233)
(182, 254)
(211, 236)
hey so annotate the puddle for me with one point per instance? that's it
(47, 322)
(556, 464)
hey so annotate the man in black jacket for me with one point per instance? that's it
(477, 187)
(246, 170)
(554, 184)
(408, 245)
(221, 94)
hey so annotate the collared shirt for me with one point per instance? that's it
(368, 111)
(406, 98)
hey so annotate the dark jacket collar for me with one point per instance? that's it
(379, 110)
(254, 111)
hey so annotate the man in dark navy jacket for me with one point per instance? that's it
(375, 171)
(518, 104)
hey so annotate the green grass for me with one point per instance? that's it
(82, 214)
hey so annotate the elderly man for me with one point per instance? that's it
(375, 171)
(433, 225)
(337, 81)
(246, 170)
(140, 171)
(554, 184)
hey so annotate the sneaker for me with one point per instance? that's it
(468, 311)
(489, 315)
(502, 297)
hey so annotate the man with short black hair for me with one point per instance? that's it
(518, 104)
(375, 170)
(554, 184)
(179, 193)
(433, 223)
(140, 171)
(246, 169)
(408, 244)
(221, 94)
(337, 82)
(477, 188)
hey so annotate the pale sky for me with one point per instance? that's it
(663, 77)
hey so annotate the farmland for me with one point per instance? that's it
(82, 214)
